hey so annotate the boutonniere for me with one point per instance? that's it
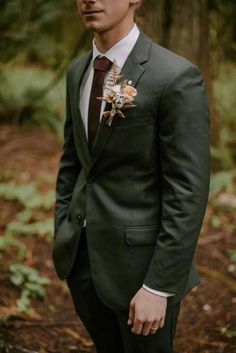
(120, 93)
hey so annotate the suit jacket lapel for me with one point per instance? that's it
(132, 70)
(81, 142)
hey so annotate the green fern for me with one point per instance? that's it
(30, 281)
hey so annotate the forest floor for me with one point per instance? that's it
(207, 320)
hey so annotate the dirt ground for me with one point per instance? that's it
(207, 321)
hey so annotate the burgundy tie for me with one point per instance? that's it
(101, 67)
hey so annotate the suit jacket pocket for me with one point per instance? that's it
(65, 248)
(134, 119)
(65, 236)
(141, 235)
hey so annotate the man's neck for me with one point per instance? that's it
(107, 39)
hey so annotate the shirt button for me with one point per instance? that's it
(78, 218)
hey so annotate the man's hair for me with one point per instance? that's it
(140, 5)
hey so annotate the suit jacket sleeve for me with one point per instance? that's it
(69, 167)
(185, 170)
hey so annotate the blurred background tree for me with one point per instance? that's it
(204, 31)
(40, 38)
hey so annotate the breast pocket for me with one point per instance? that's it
(133, 119)
(133, 139)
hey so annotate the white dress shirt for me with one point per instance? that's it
(119, 53)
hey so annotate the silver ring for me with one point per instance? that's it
(153, 329)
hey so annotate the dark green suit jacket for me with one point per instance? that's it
(144, 187)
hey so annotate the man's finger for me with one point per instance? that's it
(162, 321)
(131, 315)
(137, 326)
(146, 328)
(154, 327)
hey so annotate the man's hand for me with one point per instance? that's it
(147, 312)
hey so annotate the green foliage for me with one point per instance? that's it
(21, 274)
(8, 240)
(24, 216)
(20, 97)
(24, 303)
(228, 333)
(232, 254)
(215, 221)
(27, 195)
(224, 89)
(226, 16)
(38, 41)
(37, 29)
(42, 228)
(222, 181)
(4, 346)
(32, 285)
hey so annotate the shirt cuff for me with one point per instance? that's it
(157, 292)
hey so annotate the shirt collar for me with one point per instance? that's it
(121, 50)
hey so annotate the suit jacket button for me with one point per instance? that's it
(90, 180)
(78, 218)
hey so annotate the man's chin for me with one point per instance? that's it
(95, 26)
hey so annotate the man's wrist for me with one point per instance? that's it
(157, 292)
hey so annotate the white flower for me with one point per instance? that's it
(119, 102)
(116, 88)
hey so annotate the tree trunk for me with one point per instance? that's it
(183, 26)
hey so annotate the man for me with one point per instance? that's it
(130, 195)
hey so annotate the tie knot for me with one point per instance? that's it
(102, 64)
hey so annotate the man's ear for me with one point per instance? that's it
(135, 2)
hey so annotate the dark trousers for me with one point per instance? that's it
(108, 328)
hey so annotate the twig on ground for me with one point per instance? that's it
(85, 342)
(30, 324)
(204, 342)
(230, 284)
(212, 238)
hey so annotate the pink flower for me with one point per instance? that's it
(129, 91)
